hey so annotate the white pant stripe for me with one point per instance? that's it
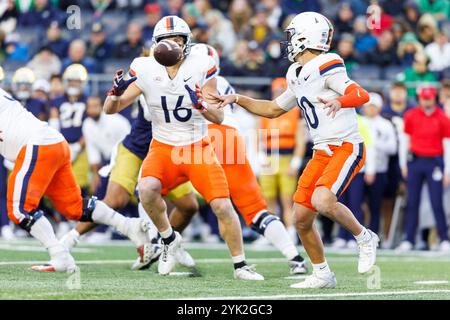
(345, 169)
(18, 183)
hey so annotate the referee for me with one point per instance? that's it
(424, 156)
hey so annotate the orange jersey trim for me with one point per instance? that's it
(211, 72)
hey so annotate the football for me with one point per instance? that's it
(167, 53)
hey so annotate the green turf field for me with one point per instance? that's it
(105, 274)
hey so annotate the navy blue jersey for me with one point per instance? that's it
(71, 116)
(389, 113)
(140, 136)
(37, 107)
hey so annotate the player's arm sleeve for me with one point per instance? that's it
(93, 154)
(134, 71)
(287, 100)
(352, 94)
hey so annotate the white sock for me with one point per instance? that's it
(278, 236)
(292, 232)
(74, 234)
(166, 233)
(43, 231)
(238, 259)
(105, 215)
(363, 236)
(321, 268)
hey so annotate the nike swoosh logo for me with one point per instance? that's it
(347, 81)
(185, 80)
(306, 78)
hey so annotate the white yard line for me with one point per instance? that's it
(224, 260)
(248, 247)
(431, 282)
(322, 295)
(31, 248)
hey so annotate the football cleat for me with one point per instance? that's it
(317, 281)
(339, 244)
(352, 244)
(63, 262)
(138, 231)
(368, 253)
(148, 254)
(296, 267)
(184, 258)
(444, 246)
(168, 257)
(247, 273)
(404, 246)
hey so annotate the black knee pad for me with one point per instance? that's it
(88, 208)
(30, 219)
(263, 221)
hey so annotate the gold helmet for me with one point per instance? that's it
(22, 83)
(75, 78)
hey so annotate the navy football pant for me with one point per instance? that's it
(4, 220)
(422, 169)
(375, 194)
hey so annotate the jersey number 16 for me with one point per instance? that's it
(181, 114)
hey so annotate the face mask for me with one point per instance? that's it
(275, 51)
(23, 95)
(73, 91)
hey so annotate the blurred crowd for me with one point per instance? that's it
(404, 43)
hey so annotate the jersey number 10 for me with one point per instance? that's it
(305, 104)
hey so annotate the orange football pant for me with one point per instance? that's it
(43, 170)
(197, 162)
(244, 189)
(333, 172)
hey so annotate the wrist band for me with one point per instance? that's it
(237, 99)
(115, 98)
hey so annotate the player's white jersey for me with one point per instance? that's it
(18, 127)
(325, 76)
(174, 120)
(102, 135)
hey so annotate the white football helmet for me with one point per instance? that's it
(173, 26)
(308, 30)
(75, 79)
(206, 49)
(22, 83)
